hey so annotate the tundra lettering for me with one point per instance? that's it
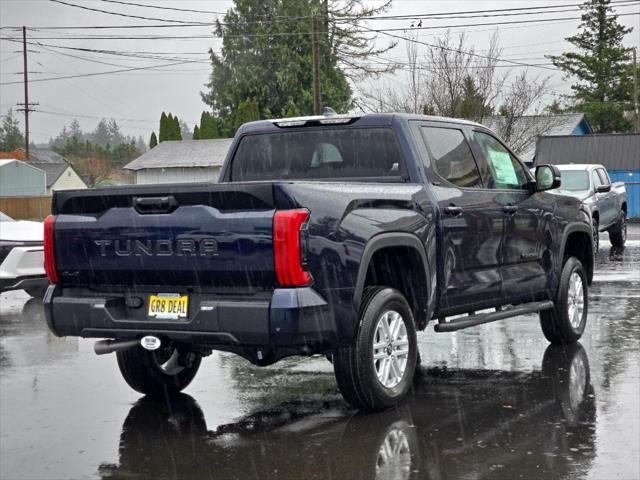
(203, 247)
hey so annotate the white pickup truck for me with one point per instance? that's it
(606, 201)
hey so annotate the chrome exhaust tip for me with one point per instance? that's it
(103, 347)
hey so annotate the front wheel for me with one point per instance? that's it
(166, 370)
(377, 371)
(565, 322)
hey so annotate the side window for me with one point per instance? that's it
(603, 176)
(504, 169)
(452, 156)
(597, 181)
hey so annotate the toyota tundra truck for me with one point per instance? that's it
(334, 235)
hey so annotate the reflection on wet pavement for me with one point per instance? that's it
(491, 402)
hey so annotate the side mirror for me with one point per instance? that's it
(547, 177)
(603, 188)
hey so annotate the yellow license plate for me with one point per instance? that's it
(168, 306)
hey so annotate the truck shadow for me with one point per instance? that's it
(456, 423)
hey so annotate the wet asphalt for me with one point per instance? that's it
(492, 402)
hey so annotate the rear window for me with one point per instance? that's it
(318, 154)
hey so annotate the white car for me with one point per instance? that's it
(22, 256)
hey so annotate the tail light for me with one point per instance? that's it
(49, 250)
(287, 225)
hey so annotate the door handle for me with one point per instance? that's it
(155, 204)
(453, 210)
(510, 209)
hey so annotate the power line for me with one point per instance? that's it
(362, 29)
(99, 73)
(83, 7)
(175, 9)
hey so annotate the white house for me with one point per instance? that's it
(185, 161)
(60, 176)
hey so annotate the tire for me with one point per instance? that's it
(595, 233)
(565, 322)
(36, 292)
(376, 383)
(165, 371)
(618, 233)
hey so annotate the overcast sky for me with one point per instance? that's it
(137, 98)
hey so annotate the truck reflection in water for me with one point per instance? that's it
(455, 424)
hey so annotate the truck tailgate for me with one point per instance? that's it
(196, 236)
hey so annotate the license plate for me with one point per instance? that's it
(168, 306)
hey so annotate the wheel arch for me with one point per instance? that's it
(397, 248)
(577, 241)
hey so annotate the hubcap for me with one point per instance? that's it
(575, 300)
(394, 456)
(390, 348)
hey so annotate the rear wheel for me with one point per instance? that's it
(166, 370)
(565, 322)
(377, 371)
(618, 233)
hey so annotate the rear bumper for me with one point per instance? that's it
(23, 267)
(296, 319)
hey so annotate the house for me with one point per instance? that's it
(185, 161)
(524, 132)
(20, 179)
(60, 176)
(618, 152)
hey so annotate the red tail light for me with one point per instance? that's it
(287, 249)
(49, 251)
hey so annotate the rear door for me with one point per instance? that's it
(471, 223)
(522, 271)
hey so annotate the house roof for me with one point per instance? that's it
(183, 153)
(7, 161)
(528, 128)
(616, 151)
(45, 155)
(52, 170)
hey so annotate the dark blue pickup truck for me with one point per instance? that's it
(335, 235)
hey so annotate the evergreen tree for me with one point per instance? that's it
(196, 133)
(471, 104)
(153, 141)
(162, 135)
(271, 61)
(10, 134)
(248, 111)
(290, 109)
(602, 66)
(175, 129)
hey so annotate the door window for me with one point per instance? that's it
(597, 181)
(505, 171)
(452, 156)
(603, 176)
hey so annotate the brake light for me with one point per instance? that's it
(287, 225)
(49, 251)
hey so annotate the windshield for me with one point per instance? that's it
(5, 218)
(318, 154)
(574, 180)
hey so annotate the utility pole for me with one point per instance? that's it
(315, 50)
(26, 106)
(636, 110)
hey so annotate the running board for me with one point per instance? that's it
(473, 320)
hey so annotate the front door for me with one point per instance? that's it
(471, 222)
(522, 263)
